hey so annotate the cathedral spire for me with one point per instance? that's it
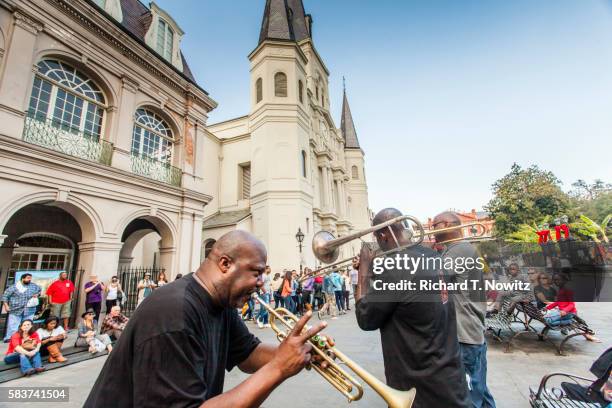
(346, 123)
(285, 20)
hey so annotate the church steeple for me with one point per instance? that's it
(285, 20)
(346, 124)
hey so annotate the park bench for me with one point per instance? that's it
(502, 321)
(530, 312)
(74, 355)
(555, 397)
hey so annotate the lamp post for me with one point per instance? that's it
(300, 238)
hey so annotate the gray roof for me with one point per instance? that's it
(347, 126)
(284, 20)
(226, 218)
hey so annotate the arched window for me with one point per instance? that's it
(152, 136)
(301, 91)
(303, 163)
(165, 40)
(280, 84)
(354, 172)
(67, 98)
(258, 90)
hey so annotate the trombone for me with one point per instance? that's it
(333, 373)
(325, 245)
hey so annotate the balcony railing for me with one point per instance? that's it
(156, 170)
(57, 136)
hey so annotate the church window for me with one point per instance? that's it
(303, 163)
(151, 137)
(258, 90)
(280, 84)
(245, 181)
(67, 99)
(165, 40)
(301, 91)
(354, 172)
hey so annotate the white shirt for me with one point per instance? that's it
(42, 333)
(354, 276)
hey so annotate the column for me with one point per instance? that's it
(17, 78)
(196, 242)
(166, 261)
(342, 195)
(185, 249)
(97, 258)
(330, 184)
(326, 188)
(122, 142)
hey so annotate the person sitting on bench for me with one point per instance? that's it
(24, 349)
(599, 391)
(52, 337)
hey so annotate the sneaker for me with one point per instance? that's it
(29, 372)
(334, 318)
(268, 325)
(40, 369)
(260, 324)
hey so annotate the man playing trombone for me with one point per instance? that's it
(181, 339)
(470, 306)
(418, 328)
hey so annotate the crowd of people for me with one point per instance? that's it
(299, 292)
(28, 345)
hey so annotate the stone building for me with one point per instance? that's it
(285, 165)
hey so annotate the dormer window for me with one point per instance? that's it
(165, 40)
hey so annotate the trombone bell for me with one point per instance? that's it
(324, 252)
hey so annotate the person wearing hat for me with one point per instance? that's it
(88, 334)
(145, 287)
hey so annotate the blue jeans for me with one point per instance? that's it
(553, 317)
(339, 298)
(26, 363)
(14, 320)
(278, 300)
(288, 300)
(262, 316)
(474, 358)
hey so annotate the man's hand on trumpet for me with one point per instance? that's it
(295, 352)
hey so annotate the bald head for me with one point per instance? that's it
(447, 219)
(236, 243)
(234, 267)
(386, 238)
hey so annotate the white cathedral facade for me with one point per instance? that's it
(286, 166)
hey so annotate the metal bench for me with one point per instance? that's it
(577, 327)
(555, 397)
(502, 321)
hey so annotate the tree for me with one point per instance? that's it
(591, 230)
(585, 191)
(525, 196)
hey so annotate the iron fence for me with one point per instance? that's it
(129, 277)
(156, 170)
(59, 136)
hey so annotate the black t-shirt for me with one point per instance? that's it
(173, 352)
(418, 331)
(550, 294)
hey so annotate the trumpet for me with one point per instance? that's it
(333, 373)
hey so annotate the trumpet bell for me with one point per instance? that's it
(324, 252)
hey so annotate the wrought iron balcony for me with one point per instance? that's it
(58, 136)
(156, 170)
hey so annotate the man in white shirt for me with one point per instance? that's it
(354, 274)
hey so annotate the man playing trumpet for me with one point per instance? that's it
(418, 328)
(181, 339)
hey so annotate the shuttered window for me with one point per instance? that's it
(245, 182)
(280, 84)
(301, 91)
(258, 90)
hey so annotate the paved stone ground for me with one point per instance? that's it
(510, 374)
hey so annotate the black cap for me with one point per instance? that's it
(88, 311)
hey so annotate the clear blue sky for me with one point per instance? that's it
(446, 95)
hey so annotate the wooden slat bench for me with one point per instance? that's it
(10, 372)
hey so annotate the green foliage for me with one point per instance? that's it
(587, 229)
(524, 233)
(596, 208)
(525, 196)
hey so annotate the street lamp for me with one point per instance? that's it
(300, 238)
